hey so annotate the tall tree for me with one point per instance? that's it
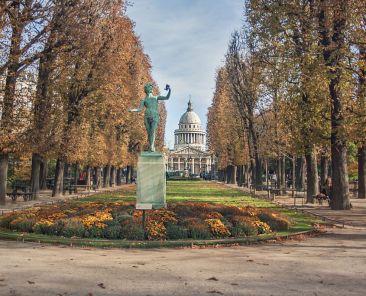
(244, 78)
(332, 30)
(19, 18)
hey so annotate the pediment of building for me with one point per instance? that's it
(189, 151)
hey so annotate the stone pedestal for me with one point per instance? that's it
(151, 181)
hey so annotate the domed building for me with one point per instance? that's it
(190, 131)
(190, 155)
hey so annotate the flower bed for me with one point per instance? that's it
(120, 220)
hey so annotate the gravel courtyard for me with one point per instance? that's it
(331, 264)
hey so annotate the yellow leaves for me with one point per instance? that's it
(46, 222)
(226, 135)
(97, 219)
(217, 227)
(155, 230)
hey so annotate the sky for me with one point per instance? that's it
(186, 41)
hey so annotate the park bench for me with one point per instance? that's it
(296, 196)
(15, 194)
(274, 192)
(320, 198)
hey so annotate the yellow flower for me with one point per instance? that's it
(97, 219)
(217, 227)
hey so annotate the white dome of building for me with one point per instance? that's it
(190, 132)
(190, 117)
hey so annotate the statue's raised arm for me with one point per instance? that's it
(167, 87)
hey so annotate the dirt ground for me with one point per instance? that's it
(332, 264)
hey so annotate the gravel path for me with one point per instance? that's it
(332, 264)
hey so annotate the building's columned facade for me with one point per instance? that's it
(190, 154)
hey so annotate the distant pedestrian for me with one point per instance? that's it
(327, 188)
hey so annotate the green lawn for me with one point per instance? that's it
(178, 191)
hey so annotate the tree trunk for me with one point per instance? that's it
(293, 173)
(253, 172)
(231, 176)
(245, 175)
(283, 175)
(228, 174)
(128, 174)
(258, 171)
(362, 172)
(4, 160)
(59, 178)
(107, 176)
(66, 171)
(249, 175)
(97, 177)
(340, 184)
(240, 175)
(7, 104)
(332, 38)
(300, 173)
(76, 173)
(35, 174)
(113, 177)
(88, 176)
(278, 173)
(312, 186)
(119, 177)
(324, 170)
(43, 174)
(131, 174)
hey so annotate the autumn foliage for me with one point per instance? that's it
(294, 81)
(66, 87)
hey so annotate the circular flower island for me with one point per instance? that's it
(121, 221)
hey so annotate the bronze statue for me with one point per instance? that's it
(152, 117)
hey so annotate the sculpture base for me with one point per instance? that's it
(151, 181)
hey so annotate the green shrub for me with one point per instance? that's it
(238, 231)
(132, 232)
(245, 225)
(199, 231)
(43, 228)
(248, 229)
(227, 224)
(58, 227)
(113, 232)
(25, 225)
(174, 231)
(94, 232)
(72, 227)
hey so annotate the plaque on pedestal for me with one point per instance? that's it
(151, 181)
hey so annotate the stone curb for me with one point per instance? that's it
(122, 244)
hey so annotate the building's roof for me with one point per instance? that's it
(190, 117)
